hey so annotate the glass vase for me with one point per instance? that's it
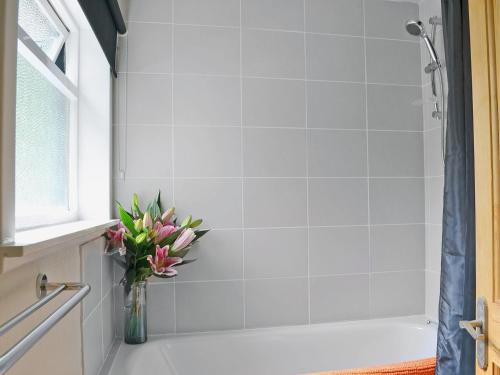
(136, 322)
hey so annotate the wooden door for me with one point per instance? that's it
(485, 52)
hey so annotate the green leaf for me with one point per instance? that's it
(158, 201)
(136, 211)
(127, 219)
(185, 261)
(163, 276)
(187, 221)
(196, 223)
(154, 211)
(199, 234)
(181, 253)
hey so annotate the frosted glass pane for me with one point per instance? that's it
(42, 143)
(39, 27)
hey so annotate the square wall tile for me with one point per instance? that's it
(397, 201)
(209, 306)
(434, 195)
(336, 298)
(91, 254)
(338, 202)
(433, 247)
(274, 103)
(206, 50)
(108, 322)
(219, 256)
(432, 289)
(275, 253)
(155, 11)
(434, 165)
(335, 105)
(394, 107)
(157, 140)
(394, 62)
(335, 58)
(107, 268)
(339, 250)
(202, 12)
(92, 343)
(161, 308)
(119, 310)
(207, 152)
(149, 48)
(146, 189)
(149, 99)
(276, 302)
(217, 201)
(397, 294)
(275, 203)
(337, 153)
(273, 14)
(396, 154)
(273, 54)
(385, 19)
(274, 152)
(335, 16)
(397, 247)
(200, 100)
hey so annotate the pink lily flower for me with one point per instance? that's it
(184, 240)
(162, 231)
(162, 264)
(167, 216)
(115, 240)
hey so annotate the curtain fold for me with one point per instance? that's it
(455, 348)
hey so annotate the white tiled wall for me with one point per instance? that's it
(294, 128)
(98, 306)
(434, 169)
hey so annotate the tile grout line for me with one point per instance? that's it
(236, 76)
(264, 127)
(172, 120)
(204, 281)
(242, 166)
(307, 169)
(367, 168)
(264, 29)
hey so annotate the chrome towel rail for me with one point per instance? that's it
(9, 358)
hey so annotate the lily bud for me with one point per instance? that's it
(167, 215)
(147, 221)
(138, 225)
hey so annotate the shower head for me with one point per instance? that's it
(415, 28)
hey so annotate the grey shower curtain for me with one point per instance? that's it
(455, 348)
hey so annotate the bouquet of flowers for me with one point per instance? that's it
(145, 244)
(151, 242)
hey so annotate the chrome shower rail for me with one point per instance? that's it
(9, 358)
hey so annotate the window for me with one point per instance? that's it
(46, 105)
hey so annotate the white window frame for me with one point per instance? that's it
(67, 84)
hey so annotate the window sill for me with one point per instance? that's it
(37, 243)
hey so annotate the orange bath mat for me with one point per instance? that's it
(420, 367)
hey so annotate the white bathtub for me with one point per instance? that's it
(285, 350)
